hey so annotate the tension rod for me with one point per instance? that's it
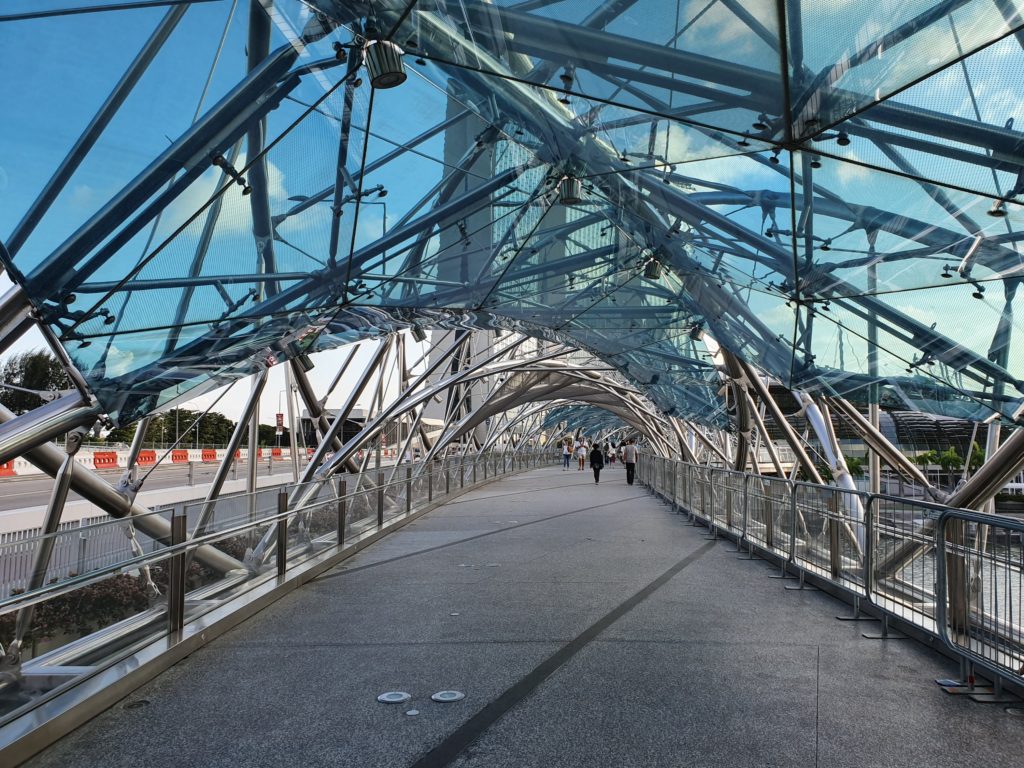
(221, 162)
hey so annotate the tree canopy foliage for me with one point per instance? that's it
(35, 370)
(214, 430)
(40, 371)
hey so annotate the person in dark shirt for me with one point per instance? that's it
(597, 462)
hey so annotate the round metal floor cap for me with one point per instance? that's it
(394, 697)
(448, 696)
(1016, 711)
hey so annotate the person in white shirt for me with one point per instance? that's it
(629, 459)
(566, 454)
(581, 454)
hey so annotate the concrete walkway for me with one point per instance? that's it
(586, 624)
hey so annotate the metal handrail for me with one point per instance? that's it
(993, 642)
(1013, 647)
(169, 550)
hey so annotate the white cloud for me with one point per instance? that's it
(236, 211)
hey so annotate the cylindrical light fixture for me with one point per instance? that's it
(384, 63)
(418, 333)
(570, 190)
(652, 271)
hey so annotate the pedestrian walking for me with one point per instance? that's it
(597, 462)
(566, 455)
(581, 454)
(629, 459)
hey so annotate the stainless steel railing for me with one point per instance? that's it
(955, 574)
(342, 516)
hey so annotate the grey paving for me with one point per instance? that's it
(588, 626)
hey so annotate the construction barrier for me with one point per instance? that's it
(146, 458)
(22, 467)
(179, 456)
(104, 459)
(209, 454)
(275, 453)
(7, 469)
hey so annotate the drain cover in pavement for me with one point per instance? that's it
(394, 697)
(448, 696)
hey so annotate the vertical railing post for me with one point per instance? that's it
(342, 502)
(869, 550)
(380, 499)
(675, 479)
(835, 562)
(176, 574)
(462, 472)
(956, 568)
(282, 532)
(408, 489)
(447, 478)
(792, 523)
(485, 467)
(191, 473)
(746, 512)
(474, 471)
(728, 503)
(83, 545)
(430, 484)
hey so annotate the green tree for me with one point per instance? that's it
(36, 370)
(977, 457)
(855, 465)
(926, 458)
(268, 436)
(950, 460)
(214, 429)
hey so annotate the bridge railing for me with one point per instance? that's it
(121, 611)
(954, 574)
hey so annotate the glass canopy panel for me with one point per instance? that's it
(884, 224)
(649, 54)
(586, 418)
(891, 233)
(57, 100)
(955, 128)
(220, 264)
(874, 49)
(131, 384)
